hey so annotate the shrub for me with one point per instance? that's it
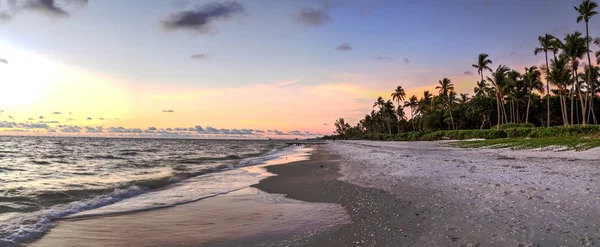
(514, 125)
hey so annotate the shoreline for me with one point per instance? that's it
(239, 218)
(378, 217)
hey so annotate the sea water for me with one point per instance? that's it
(43, 179)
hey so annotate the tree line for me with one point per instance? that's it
(503, 96)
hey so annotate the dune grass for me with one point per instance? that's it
(550, 143)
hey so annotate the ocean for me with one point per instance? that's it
(43, 179)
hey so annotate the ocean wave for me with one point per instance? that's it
(24, 228)
(182, 187)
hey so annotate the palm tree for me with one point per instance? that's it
(481, 89)
(483, 63)
(464, 98)
(593, 73)
(398, 95)
(412, 103)
(586, 11)
(446, 91)
(499, 79)
(532, 81)
(560, 76)
(574, 48)
(546, 44)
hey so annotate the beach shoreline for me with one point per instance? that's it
(399, 194)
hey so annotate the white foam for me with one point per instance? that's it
(33, 225)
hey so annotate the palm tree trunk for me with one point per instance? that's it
(572, 100)
(451, 118)
(589, 74)
(527, 113)
(498, 110)
(547, 92)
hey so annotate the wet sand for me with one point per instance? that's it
(248, 217)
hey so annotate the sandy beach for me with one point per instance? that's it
(379, 194)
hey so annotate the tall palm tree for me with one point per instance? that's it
(381, 104)
(594, 74)
(398, 95)
(412, 102)
(574, 48)
(586, 11)
(532, 82)
(446, 90)
(546, 44)
(483, 63)
(560, 76)
(499, 79)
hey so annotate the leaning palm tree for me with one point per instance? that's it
(546, 44)
(586, 11)
(398, 95)
(481, 89)
(446, 88)
(483, 63)
(574, 48)
(532, 82)
(499, 79)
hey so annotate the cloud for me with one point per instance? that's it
(168, 111)
(259, 131)
(30, 119)
(198, 56)
(344, 47)
(384, 58)
(313, 17)
(124, 130)
(295, 132)
(198, 128)
(277, 132)
(468, 73)
(56, 113)
(70, 129)
(180, 3)
(46, 7)
(199, 20)
(54, 8)
(89, 118)
(41, 117)
(326, 124)
(2, 60)
(97, 129)
(152, 128)
(287, 83)
(101, 118)
(406, 61)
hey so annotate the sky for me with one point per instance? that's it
(247, 69)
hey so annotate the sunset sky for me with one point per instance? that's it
(247, 68)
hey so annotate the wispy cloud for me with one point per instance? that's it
(344, 47)
(313, 17)
(406, 61)
(199, 20)
(198, 56)
(168, 111)
(384, 58)
(2, 60)
(468, 72)
(287, 83)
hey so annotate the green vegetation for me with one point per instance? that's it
(553, 143)
(506, 103)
